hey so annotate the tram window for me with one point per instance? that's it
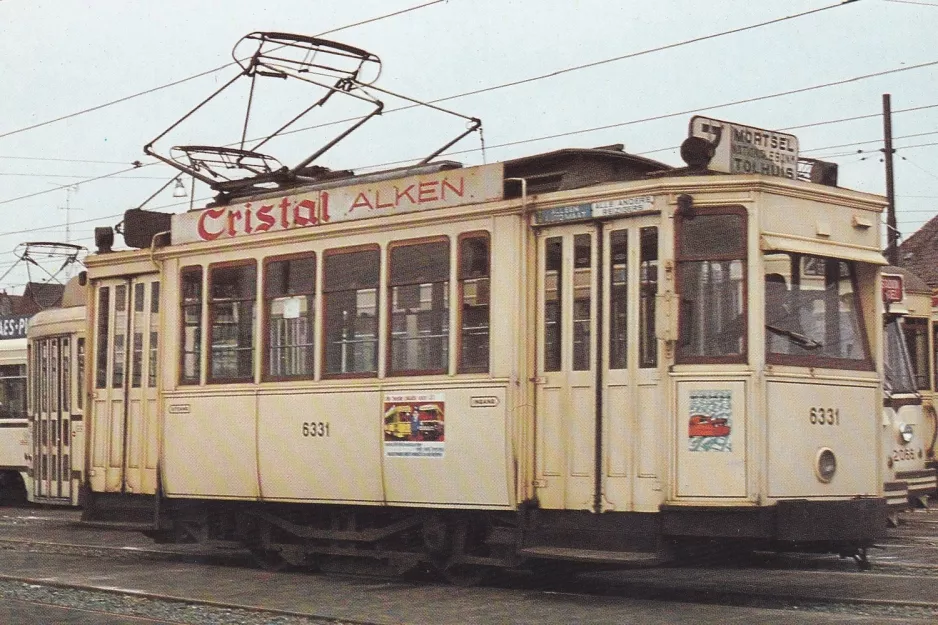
(120, 339)
(139, 296)
(151, 368)
(582, 301)
(12, 391)
(233, 293)
(648, 274)
(553, 280)
(104, 325)
(136, 371)
(191, 325)
(80, 374)
(66, 372)
(916, 338)
(618, 299)
(711, 276)
(813, 313)
(290, 304)
(474, 291)
(350, 290)
(419, 307)
(43, 392)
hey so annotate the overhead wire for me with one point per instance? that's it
(199, 75)
(690, 111)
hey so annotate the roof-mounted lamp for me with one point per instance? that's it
(180, 189)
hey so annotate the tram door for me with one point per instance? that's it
(124, 446)
(597, 364)
(53, 394)
(566, 367)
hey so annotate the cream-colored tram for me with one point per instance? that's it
(57, 363)
(579, 355)
(908, 412)
(13, 419)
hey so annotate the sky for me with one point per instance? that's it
(649, 67)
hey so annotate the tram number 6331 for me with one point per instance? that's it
(316, 429)
(824, 416)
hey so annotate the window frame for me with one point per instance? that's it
(317, 295)
(460, 294)
(181, 379)
(732, 209)
(209, 331)
(827, 362)
(388, 300)
(326, 254)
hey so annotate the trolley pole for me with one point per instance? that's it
(892, 232)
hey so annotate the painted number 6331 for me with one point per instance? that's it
(824, 416)
(316, 429)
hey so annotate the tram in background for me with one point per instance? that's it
(908, 414)
(571, 316)
(14, 424)
(56, 445)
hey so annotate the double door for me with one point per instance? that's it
(599, 398)
(124, 425)
(58, 363)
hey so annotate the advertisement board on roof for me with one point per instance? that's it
(444, 189)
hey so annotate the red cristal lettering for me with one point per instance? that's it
(361, 201)
(266, 220)
(233, 216)
(378, 203)
(247, 218)
(204, 233)
(398, 194)
(324, 206)
(310, 207)
(461, 191)
(427, 192)
(284, 207)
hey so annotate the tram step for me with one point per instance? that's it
(593, 555)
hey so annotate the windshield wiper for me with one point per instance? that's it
(805, 342)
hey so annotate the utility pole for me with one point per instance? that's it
(68, 209)
(892, 232)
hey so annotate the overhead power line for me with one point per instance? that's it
(65, 186)
(200, 74)
(694, 110)
(575, 68)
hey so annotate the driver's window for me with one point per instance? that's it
(711, 275)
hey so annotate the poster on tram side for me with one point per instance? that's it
(414, 425)
(710, 423)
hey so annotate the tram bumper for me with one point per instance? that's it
(857, 521)
(860, 520)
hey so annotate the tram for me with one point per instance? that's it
(13, 420)
(56, 339)
(571, 315)
(908, 416)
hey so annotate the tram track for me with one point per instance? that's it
(149, 607)
(684, 584)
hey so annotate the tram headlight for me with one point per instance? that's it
(825, 465)
(905, 433)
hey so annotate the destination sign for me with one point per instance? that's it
(747, 150)
(594, 210)
(13, 326)
(893, 288)
(443, 189)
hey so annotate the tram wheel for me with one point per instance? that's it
(269, 559)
